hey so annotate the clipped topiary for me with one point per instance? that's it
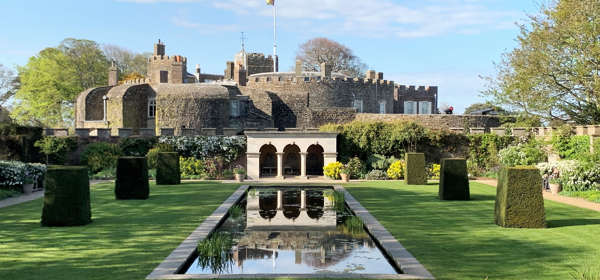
(167, 169)
(66, 196)
(454, 179)
(132, 178)
(415, 169)
(519, 200)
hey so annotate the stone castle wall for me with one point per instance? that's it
(175, 65)
(411, 93)
(437, 121)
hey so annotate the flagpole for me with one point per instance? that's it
(274, 36)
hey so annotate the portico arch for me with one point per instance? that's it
(268, 160)
(291, 160)
(314, 160)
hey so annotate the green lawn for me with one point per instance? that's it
(454, 240)
(459, 240)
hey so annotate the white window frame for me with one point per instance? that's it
(382, 109)
(425, 107)
(410, 107)
(152, 108)
(235, 108)
(358, 104)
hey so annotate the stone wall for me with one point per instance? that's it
(412, 93)
(176, 66)
(259, 63)
(322, 116)
(436, 121)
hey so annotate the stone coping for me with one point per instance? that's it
(410, 267)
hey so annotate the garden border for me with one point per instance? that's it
(403, 259)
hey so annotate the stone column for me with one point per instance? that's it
(302, 199)
(253, 165)
(280, 165)
(279, 200)
(303, 165)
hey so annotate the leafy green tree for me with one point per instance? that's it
(51, 81)
(554, 71)
(482, 106)
(127, 61)
(9, 83)
(322, 50)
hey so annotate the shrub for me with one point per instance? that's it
(354, 167)
(415, 169)
(454, 181)
(333, 170)
(519, 201)
(14, 173)
(227, 175)
(67, 197)
(167, 170)
(574, 175)
(132, 178)
(204, 147)
(433, 171)
(529, 153)
(136, 146)
(56, 148)
(396, 170)
(376, 175)
(380, 162)
(152, 155)
(483, 151)
(571, 147)
(192, 168)
(100, 156)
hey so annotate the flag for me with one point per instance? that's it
(271, 2)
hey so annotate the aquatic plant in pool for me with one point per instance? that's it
(214, 253)
(236, 211)
(338, 199)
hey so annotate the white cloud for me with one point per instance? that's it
(380, 18)
(203, 27)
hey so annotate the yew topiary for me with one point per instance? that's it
(167, 169)
(454, 179)
(519, 200)
(132, 178)
(66, 196)
(415, 169)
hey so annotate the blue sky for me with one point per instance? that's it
(447, 43)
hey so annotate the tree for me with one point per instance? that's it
(88, 61)
(482, 106)
(127, 61)
(554, 71)
(9, 84)
(322, 50)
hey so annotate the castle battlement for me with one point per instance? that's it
(411, 89)
(137, 81)
(289, 79)
(172, 59)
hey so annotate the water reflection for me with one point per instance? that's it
(298, 231)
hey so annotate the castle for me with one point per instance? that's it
(251, 94)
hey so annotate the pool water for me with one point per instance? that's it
(293, 231)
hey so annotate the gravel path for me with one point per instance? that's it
(574, 201)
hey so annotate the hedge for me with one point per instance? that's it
(415, 169)
(67, 197)
(454, 179)
(167, 169)
(132, 178)
(519, 200)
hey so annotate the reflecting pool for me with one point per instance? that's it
(304, 230)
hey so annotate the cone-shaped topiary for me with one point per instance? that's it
(66, 196)
(132, 178)
(519, 200)
(415, 169)
(454, 180)
(167, 169)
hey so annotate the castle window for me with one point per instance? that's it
(164, 77)
(235, 108)
(151, 108)
(425, 107)
(410, 107)
(382, 104)
(358, 104)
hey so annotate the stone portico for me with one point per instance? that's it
(289, 153)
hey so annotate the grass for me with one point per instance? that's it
(8, 193)
(453, 239)
(459, 240)
(126, 239)
(593, 196)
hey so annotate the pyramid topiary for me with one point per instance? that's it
(132, 178)
(454, 179)
(415, 169)
(519, 199)
(66, 196)
(167, 169)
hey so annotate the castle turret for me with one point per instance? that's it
(113, 74)
(159, 48)
(165, 69)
